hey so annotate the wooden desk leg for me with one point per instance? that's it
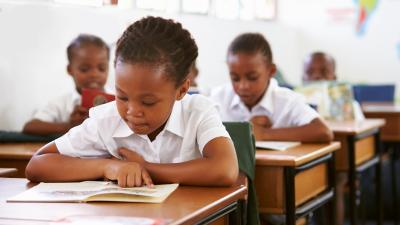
(395, 151)
(379, 202)
(332, 181)
(290, 174)
(352, 180)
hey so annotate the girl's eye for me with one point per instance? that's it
(122, 98)
(148, 103)
(84, 69)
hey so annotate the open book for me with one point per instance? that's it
(93, 191)
(277, 145)
(107, 220)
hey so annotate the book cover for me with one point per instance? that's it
(95, 97)
(276, 145)
(93, 191)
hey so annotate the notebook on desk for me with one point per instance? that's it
(87, 191)
(276, 145)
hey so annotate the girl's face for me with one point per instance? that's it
(145, 97)
(250, 75)
(89, 67)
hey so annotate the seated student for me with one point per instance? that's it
(276, 113)
(319, 74)
(158, 132)
(88, 59)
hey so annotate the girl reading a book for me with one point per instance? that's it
(154, 131)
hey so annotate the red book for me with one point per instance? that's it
(95, 97)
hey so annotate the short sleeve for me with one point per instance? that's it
(301, 113)
(50, 113)
(210, 127)
(82, 141)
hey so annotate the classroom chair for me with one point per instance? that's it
(374, 93)
(243, 139)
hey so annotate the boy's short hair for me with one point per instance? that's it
(251, 43)
(84, 40)
(327, 57)
(161, 42)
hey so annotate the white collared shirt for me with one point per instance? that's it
(59, 109)
(282, 106)
(194, 121)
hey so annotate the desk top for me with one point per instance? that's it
(186, 205)
(19, 150)
(355, 127)
(384, 108)
(295, 156)
(7, 171)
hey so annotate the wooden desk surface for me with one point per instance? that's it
(186, 205)
(381, 108)
(389, 112)
(7, 171)
(295, 156)
(19, 150)
(355, 127)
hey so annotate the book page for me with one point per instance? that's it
(277, 145)
(89, 190)
(107, 220)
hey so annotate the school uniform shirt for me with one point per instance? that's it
(59, 109)
(194, 121)
(282, 106)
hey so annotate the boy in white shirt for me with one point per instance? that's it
(88, 59)
(159, 133)
(276, 113)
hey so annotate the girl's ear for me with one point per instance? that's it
(183, 89)
(272, 70)
(69, 69)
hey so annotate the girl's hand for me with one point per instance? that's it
(261, 125)
(131, 156)
(128, 174)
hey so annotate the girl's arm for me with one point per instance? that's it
(315, 131)
(48, 165)
(39, 127)
(217, 167)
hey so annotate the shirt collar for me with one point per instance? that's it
(174, 124)
(266, 101)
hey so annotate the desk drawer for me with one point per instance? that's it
(270, 186)
(364, 150)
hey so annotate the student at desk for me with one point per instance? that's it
(158, 132)
(88, 58)
(276, 113)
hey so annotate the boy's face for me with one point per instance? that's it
(250, 75)
(89, 67)
(318, 68)
(145, 97)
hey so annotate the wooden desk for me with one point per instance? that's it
(361, 149)
(391, 113)
(390, 136)
(17, 155)
(295, 181)
(186, 205)
(6, 172)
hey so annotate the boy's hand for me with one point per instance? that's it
(131, 156)
(261, 124)
(128, 174)
(78, 116)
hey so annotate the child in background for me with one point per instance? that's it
(276, 113)
(88, 59)
(334, 100)
(158, 132)
(193, 73)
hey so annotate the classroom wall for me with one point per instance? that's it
(34, 36)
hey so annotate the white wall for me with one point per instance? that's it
(33, 39)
